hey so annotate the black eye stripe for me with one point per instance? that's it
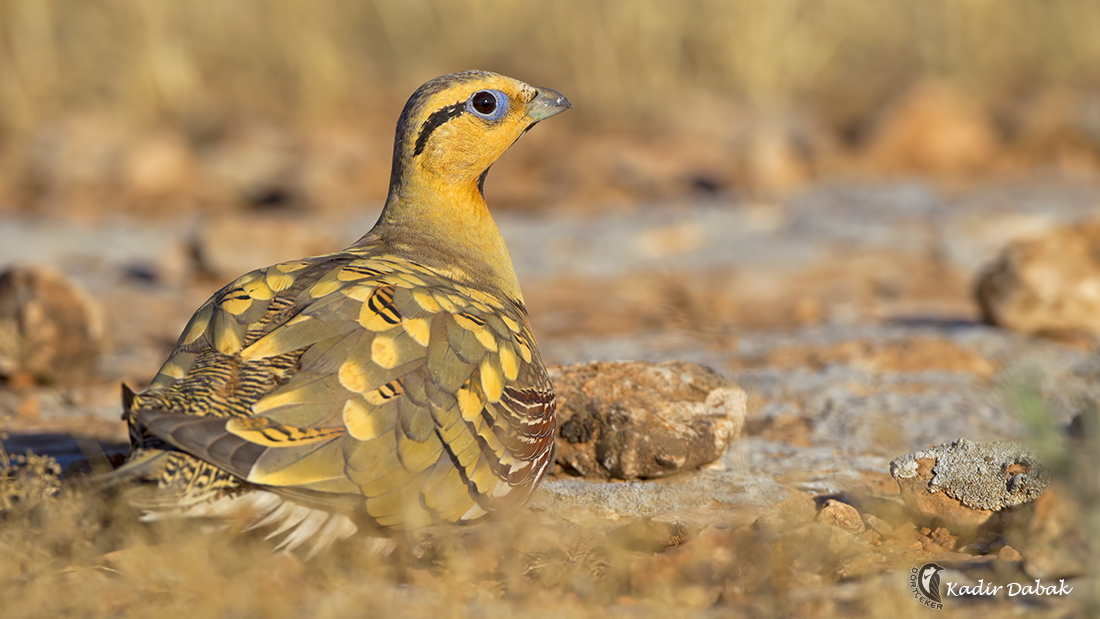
(438, 117)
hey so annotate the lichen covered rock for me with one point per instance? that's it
(967, 483)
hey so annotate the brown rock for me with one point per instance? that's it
(229, 245)
(778, 154)
(632, 420)
(841, 515)
(966, 483)
(877, 524)
(50, 329)
(797, 509)
(1008, 553)
(903, 531)
(933, 129)
(1049, 284)
(157, 166)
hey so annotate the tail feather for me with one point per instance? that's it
(180, 485)
(257, 508)
(142, 465)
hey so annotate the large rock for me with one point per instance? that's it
(1049, 284)
(50, 329)
(966, 483)
(636, 420)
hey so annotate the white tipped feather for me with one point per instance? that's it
(474, 512)
(276, 515)
(338, 526)
(263, 509)
(294, 518)
(305, 530)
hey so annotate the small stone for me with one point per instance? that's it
(932, 547)
(841, 515)
(877, 524)
(903, 531)
(50, 328)
(1008, 553)
(639, 420)
(966, 483)
(775, 523)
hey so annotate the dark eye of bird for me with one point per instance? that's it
(484, 102)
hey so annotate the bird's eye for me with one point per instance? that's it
(485, 103)
(490, 104)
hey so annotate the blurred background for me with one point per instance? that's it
(155, 108)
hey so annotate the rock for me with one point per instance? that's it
(878, 525)
(50, 329)
(966, 483)
(635, 420)
(1008, 553)
(252, 161)
(227, 246)
(779, 153)
(1049, 284)
(934, 130)
(157, 166)
(797, 509)
(841, 515)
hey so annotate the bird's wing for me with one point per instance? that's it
(371, 376)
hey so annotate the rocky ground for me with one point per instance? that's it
(846, 313)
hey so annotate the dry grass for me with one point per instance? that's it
(79, 552)
(80, 555)
(182, 62)
(171, 107)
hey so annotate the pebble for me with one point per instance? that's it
(841, 515)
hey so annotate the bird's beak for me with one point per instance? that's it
(547, 104)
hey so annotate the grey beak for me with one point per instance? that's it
(548, 103)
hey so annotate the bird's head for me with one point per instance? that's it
(455, 126)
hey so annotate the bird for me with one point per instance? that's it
(391, 385)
